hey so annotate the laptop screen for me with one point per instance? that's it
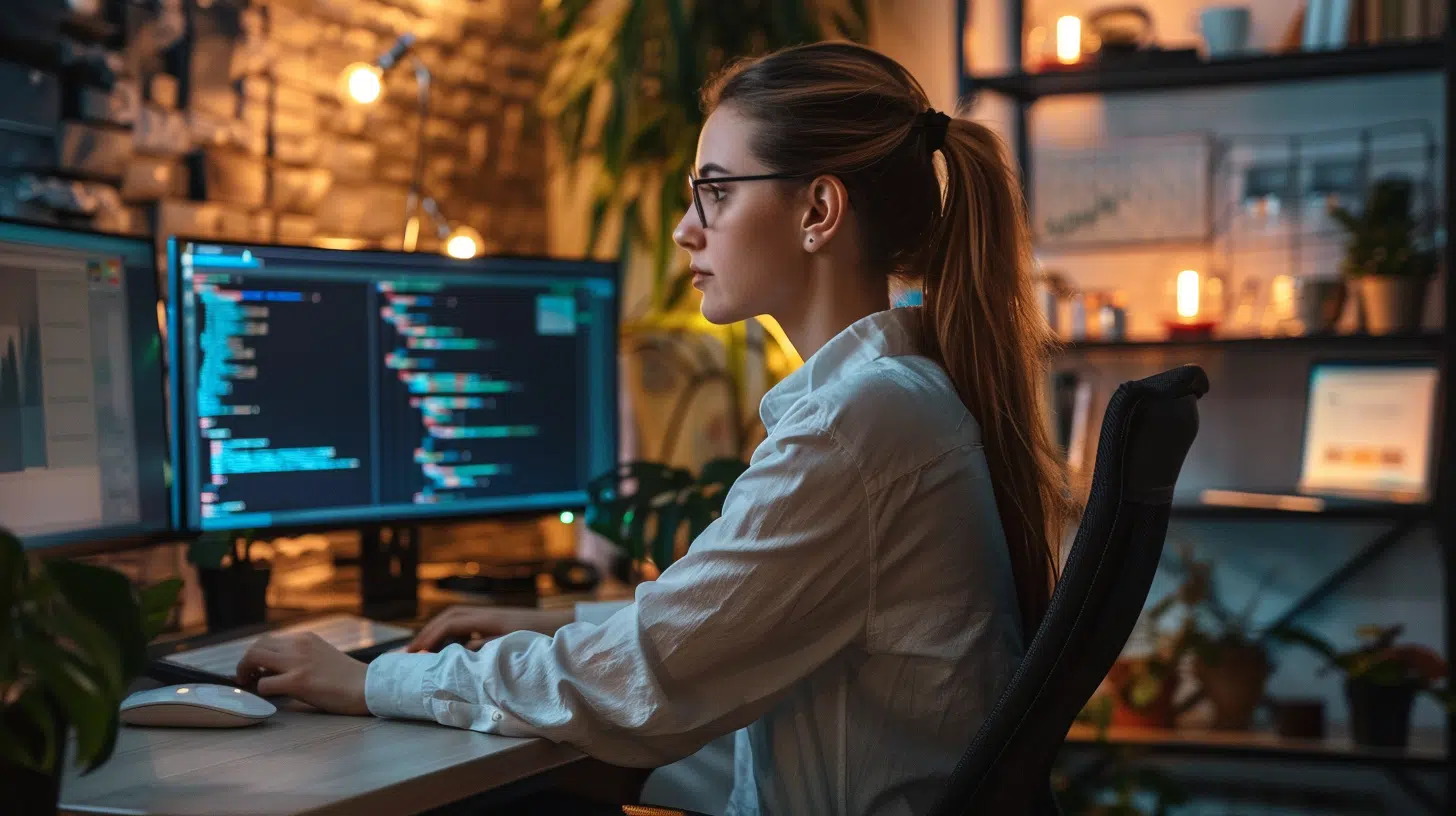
(1368, 429)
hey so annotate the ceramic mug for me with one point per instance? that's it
(1225, 30)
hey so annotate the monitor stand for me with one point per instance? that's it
(389, 557)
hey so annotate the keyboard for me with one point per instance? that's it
(215, 662)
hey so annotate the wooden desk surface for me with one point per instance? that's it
(302, 762)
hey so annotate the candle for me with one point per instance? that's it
(1069, 40)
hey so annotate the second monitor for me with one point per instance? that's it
(324, 387)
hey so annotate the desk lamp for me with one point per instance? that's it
(363, 83)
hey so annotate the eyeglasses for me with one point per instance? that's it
(694, 181)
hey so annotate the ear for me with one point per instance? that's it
(828, 202)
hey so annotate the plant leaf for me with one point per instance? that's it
(81, 691)
(105, 597)
(157, 602)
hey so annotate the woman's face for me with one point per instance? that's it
(748, 259)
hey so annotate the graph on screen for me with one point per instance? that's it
(22, 414)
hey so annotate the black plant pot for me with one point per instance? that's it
(27, 792)
(1379, 714)
(234, 596)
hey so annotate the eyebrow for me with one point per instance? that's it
(710, 167)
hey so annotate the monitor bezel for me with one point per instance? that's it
(189, 517)
(172, 531)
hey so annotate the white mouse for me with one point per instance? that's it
(195, 705)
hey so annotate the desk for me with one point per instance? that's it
(303, 762)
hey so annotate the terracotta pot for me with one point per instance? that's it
(1393, 303)
(1156, 714)
(1234, 680)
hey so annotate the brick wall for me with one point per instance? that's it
(222, 118)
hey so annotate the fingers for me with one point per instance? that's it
(287, 684)
(260, 658)
(430, 636)
(450, 625)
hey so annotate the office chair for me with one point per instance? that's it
(1146, 433)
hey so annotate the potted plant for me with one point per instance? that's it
(1385, 258)
(645, 508)
(1382, 678)
(1115, 784)
(74, 637)
(234, 585)
(1231, 664)
(1144, 686)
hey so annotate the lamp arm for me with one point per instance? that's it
(423, 79)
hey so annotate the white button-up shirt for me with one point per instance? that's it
(852, 611)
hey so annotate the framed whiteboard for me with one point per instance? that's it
(1141, 189)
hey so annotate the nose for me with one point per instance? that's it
(688, 233)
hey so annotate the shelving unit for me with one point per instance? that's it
(1425, 341)
(1439, 56)
(1425, 750)
(1302, 66)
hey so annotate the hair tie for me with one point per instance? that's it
(935, 124)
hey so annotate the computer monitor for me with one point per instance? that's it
(1369, 427)
(83, 418)
(328, 388)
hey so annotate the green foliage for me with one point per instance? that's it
(623, 89)
(1118, 786)
(1379, 659)
(643, 507)
(1383, 240)
(73, 639)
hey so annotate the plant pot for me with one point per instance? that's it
(1320, 303)
(1379, 714)
(1300, 719)
(1158, 713)
(234, 596)
(1393, 303)
(28, 792)
(1234, 681)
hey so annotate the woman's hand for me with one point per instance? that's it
(474, 625)
(305, 667)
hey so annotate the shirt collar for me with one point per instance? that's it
(890, 333)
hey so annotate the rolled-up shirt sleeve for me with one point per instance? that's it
(770, 591)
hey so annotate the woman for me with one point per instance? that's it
(877, 572)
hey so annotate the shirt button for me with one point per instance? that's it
(496, 716)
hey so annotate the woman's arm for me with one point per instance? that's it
(768, 593)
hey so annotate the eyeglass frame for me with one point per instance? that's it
(693, 182)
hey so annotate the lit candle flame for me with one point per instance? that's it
(1187, 294)
(1069, 40)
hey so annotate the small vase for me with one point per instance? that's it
(234, 596)
(1300, 719)
(1393, 303)
(1379, 714)
(1235, 685)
